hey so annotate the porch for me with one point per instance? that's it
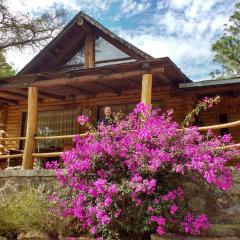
(70, 92)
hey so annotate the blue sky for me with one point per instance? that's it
(183, 30)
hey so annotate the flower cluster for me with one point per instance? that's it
(195, 224)
(123, 178)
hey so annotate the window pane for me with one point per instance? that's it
(105, 50)
(55, 123)
(78, 58)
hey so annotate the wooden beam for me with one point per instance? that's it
(8, 101)
(30, 142)
(51, 95)
(93, 78)
(107, 87)
(61, 56)
(11, 96)
(23, 93)
(81, 90)
(163, 77)
(146, 97)
(89, 50)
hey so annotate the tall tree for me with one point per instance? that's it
(227, 48)
(20, 29)
(5, 69)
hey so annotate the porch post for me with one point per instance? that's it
(147, 88)
(31, 128)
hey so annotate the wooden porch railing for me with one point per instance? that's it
(56, 154)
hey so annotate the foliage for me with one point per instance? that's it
(5, 69)
(29, 211)
(126, 178)
(227, 48)
(19, 29)
(205, 104)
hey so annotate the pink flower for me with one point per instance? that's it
(117, 213)
(108, 201)
(150, 209)
(160, 231)
(93, 230)
(159, 220)
(195, 224)
(173, 209)
(82, 119)
(121, 173)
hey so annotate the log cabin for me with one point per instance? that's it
(85, 68)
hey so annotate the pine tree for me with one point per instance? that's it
(227, 48)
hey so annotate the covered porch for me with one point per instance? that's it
(72, 91)
(69, 93)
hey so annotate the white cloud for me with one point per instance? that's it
(133, 7)
(71, 5)
(183, 30)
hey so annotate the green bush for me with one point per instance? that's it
(27, 211)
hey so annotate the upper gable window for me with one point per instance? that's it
(78, 58)
(105, 54)
(106, 51)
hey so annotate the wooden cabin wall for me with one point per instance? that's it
(176, 102)
(174, 99)
(229, 105)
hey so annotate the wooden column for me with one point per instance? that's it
(89, 50)
(30, 142)
(147, 89)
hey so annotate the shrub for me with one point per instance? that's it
(27, 211)
(126, 178)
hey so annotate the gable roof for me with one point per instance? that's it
(76, 30)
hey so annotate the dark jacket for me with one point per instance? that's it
(107, 121)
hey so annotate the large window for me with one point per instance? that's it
(78, 59)
(55, 123)
(105, 54)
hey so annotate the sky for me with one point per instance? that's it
(183, 30)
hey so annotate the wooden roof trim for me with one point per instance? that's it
(26, 80)
(93, 78)
(50, 44)
(210, 82)
(126, 46)
(113, 38)
(62, 54)
(64, 81)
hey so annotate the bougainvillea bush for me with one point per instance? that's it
(124, 178)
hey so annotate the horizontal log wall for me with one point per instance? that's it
(174, 99)
(228, 105)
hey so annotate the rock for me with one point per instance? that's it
(190, 189)
(197, 204)
(187, 237)
(224, 230)
(232, 211)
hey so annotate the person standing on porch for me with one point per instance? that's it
(108, 118)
